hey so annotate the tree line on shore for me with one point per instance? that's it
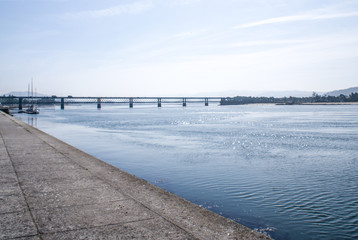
(315, 98)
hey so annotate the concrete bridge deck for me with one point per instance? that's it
(51, 190)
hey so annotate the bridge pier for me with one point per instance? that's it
(98, 103)
(184, 102)
(159, 102)
(131, 102)
(62, 103)
(20, 103)
(206, 102)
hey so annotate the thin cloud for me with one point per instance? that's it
(132, 8)
(183, 2)
(294, 18)
(190, 33)
(265, 43)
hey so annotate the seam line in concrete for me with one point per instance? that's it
(8, 194)
(26, 236)
(8, 182)
(4, 213)
(166, 219)
(22, 191)
(98, 226)
(26, 171)
(89, 204)
(54, 191)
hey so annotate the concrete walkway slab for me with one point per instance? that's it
(51, 190)
(16, 224)
(12, 203)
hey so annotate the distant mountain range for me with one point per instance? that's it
(278, 94)
(346, 92)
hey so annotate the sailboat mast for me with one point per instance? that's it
(28, 94)
(32, 91)
(31, 108)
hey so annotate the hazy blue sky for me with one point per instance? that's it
(172, 47)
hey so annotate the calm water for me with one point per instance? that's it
(288, 171)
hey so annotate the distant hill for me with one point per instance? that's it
(286, 94)
(346, 92)
(233, 93)
(25, 94)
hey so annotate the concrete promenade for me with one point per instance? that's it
(51, 190)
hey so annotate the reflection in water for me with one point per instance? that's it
(32, 120)
(288, 171)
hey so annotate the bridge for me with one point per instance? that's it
(20, 102)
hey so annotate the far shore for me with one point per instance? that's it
(287, 104)
(323, 103)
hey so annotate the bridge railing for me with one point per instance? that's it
(21, 102)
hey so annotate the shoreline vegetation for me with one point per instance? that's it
(315, 99)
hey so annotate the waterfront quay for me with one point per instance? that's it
(51, 190)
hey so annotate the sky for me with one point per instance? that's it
(177, 47)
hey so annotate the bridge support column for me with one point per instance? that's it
(62, 103)
(131, 102)
(184, 102)
(98, 103)
(206, 102)
(20, 103)
(159, 102)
